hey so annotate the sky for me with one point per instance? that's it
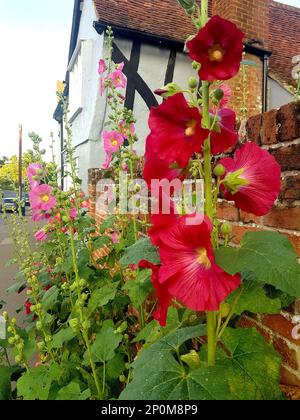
(34, 43)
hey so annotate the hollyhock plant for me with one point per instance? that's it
(32, 171)
(163, 296)
(189, 270)
(176, 130)
(252, 179)
(224, 136)
(41, 198)
(218, 47)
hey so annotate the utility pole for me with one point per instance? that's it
(20, 169)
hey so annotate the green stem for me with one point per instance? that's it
(135, 230)
(232, 312)
(84, 333)
(212, 338)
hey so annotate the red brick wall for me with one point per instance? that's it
(279, 132)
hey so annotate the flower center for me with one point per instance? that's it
(216, 53)
(114, 143)
(202, 258)
(190, 128)
(45, 198)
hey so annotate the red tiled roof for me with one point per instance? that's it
(165, 18)
(284, 40)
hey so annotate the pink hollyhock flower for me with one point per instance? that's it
(73, 213)
(85, 204)
(163, 296)
(39, 215)
(102, 67)
(115, 238)
(224, 135)
(227, 95)
(125, 167)
(177, 131)
(120, 66)
(102, 86)
(41, 235)
(113, 140)
(218, 47)
(118, 79)
(252, 179)
(31, 172)
(41, 198)
(132, 129)
(107, 162)
(189, 271)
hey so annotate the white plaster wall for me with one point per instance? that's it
(278, 96)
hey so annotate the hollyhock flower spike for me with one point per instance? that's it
(164, 298)
(177, 131)
(252, 179)
(224, 136)
(218, 47)
(41, 198)
(32, 171)
(189, 271)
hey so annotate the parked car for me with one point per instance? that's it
(26, 199)
(9, 204)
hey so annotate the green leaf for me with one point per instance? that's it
(108, 223)
(188, 6)
(62, 337)
(5, 382)
(107, 341)
(157, 375)
(139, 289)
(115, 367)
(35, 384)
(141, 250)
(251, 365)
(269, 256)
(102, 296)
(254, 299)
(50, 298)
(72, 392)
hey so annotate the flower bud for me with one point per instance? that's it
(41, 346)
(122, 379)
(169, 90)
(39, 326)
(11, 341)
(226, 228)
(195, 65)
(74, 324)
(219, 170)
(192, 359)
(5, 315)
(18, 359)
(219, 94)
(193, 83)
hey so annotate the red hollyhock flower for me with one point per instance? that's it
(252, 179)
(224, 136)
(176, 130)
(218, 47)
(189, 271)
(28, 307)
(155, 167)
(164, 299)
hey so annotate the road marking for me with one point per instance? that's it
(7, 241)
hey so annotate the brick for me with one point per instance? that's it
(288, 157)
(227, 211)
(288, 120)
(247, 322)
(290, 188)
(289, 355)
(280, 325)
(250, 218)
(269, 129)
(285, 218)
(239, 231)
(295, 240)
(254, 128)
(289, 378)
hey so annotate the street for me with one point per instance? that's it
(14, 301)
